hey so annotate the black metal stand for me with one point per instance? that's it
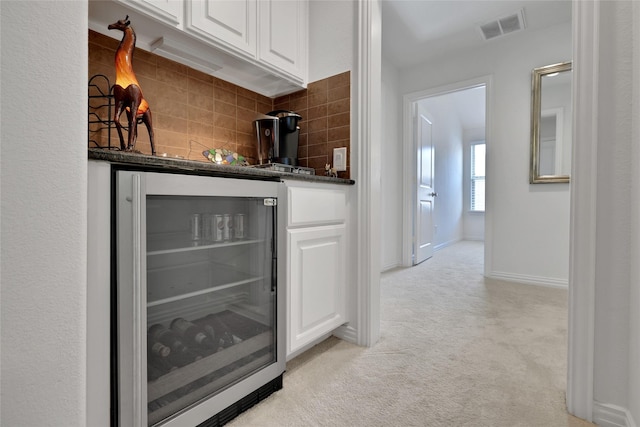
(101, 100)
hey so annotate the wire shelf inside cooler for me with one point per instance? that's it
(167, 243)
(172, 284)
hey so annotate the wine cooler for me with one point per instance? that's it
(198, 310)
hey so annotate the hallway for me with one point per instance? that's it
(456, 349)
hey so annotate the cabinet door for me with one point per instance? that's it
(316, 283)
(168, 11)
(231, 23)
(283, 35)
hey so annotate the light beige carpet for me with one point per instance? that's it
(456, 349)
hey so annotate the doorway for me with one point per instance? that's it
(580, 381)
(458, 116)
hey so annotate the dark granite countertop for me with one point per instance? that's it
(203, 168)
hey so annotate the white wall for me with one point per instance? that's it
(529, 223)
(616, 200)
(44, 212)
(617, 284)
(634, 253)
(391, 185)
(331, 38)
(612, 228)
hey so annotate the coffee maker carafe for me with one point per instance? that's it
(278, 137)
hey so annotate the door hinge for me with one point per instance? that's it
(270, 202)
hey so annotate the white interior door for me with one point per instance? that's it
(423, 229)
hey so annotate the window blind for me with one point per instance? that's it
(478, 153)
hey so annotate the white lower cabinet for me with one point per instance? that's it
(317, 298)
(316, 267)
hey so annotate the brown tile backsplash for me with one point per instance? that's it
(193, 111)
(325, 107)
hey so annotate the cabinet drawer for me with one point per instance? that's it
(315, 206)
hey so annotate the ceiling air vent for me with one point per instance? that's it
(501, 26)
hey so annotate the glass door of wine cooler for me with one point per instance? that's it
(198, 307)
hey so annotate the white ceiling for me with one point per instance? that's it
(471, 107)
(468, 105)
(414, 31)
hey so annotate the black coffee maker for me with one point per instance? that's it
(278, 137)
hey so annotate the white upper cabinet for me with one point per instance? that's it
(232, 23)
(282, 40)
(168, 11)
(260, 45)
(273, 32)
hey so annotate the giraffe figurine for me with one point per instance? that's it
(127, 91)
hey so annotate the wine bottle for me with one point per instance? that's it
(156, 348)
(208, 329)
(192, 333)
(223, 336)
(158, 366)
(179, 354)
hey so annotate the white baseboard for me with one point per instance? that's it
(549, 282)
(445, 244)
(391, 266)
(607, 415)
(347, 333)
(344, 332)
(307, 346)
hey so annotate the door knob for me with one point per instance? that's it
(434, 194)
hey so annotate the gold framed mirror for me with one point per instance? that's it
(551, 115)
